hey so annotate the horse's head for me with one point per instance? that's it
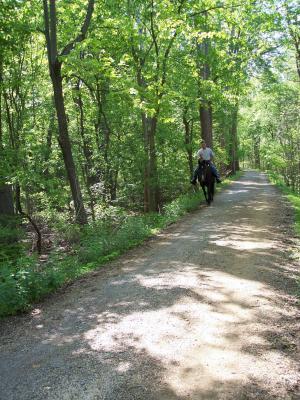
(204, 170)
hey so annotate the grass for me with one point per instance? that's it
(293, 197)
(25, 280)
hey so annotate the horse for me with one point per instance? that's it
(206, 178)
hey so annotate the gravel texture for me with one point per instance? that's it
(205, 310)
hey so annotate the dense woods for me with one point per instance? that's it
(103, 105)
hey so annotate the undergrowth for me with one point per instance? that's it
(293, 197)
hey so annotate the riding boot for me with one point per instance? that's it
(195, 176)
(215, 173)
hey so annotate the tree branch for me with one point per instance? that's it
(218, 7)
(47, 29)
(168, 49)
(70, 46)
(53, 34)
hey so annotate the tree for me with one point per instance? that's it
(55, 66)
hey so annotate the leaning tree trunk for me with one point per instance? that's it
(65, 144)
(54, 62)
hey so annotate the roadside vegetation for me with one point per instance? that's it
(291, 195)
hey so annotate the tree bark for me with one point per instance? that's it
(1, 80)
(205, 108)
(188, 141)
(90, 178)
(154, 194)
(234, 141)
(256, 149)
(6, 200)
(50, 134)
(205, 112)
(56, 78)
(151, 185)
(65, 144)
(23, 214)
(109, 173)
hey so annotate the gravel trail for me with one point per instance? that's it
(205, 310)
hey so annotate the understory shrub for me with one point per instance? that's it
(293, 197)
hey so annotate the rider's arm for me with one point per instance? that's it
(199, 154)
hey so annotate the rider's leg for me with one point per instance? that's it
(215, 173)
(195, 176)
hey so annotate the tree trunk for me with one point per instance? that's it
(154, 194)
(205, 112)
(110, 175)
(151, 186)
(50, 20)
(234, 142)
(65, 144)
(105, 128)
(188, 142)
(205, 108)
(87, 151)
(33, 223)
(6, 200)
(1, 80)
(50, 134)
(146, 163)
(256, 149)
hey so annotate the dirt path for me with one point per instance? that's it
(205, 311)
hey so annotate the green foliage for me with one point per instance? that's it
(180, 206)
(269, 123)
(10, 236)
(293, 197)
(16, 283)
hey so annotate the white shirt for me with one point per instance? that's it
(205, 154)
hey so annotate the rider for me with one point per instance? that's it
(206, 153)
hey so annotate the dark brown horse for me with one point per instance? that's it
(206, 179)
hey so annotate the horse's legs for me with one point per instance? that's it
(208, 195)
(210, 190)
(205, 195)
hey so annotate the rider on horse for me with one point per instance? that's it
(205, 154)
